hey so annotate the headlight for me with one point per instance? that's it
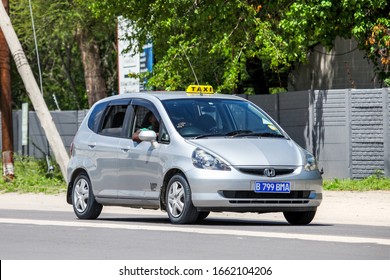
(204, 160)
(311, 163)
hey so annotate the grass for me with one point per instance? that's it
(31, 176)
(371, 183)
(375, 182)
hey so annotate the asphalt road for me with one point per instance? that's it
(348, 226)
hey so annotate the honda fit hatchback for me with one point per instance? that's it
(189, 154)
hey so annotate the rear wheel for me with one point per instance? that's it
(179, 204)
(84, 204)
(299, 218)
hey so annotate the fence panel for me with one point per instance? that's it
(330, 133)
(367, 127)
(347, 130)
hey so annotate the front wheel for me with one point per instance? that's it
(179, 204)
(299, 218)
(84, 204)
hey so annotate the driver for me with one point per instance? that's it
(150, 123)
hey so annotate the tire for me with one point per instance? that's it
(202, 215)
(84, 204)
(299, 218)
(179, 204)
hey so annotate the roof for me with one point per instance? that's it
(167, 95)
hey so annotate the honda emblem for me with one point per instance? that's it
(269, 172)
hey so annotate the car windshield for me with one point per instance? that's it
(211, 117)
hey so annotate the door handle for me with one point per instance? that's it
(92, 145)
(125, 149)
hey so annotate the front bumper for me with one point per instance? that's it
(234, 191)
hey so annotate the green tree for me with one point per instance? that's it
(77, 52)
(234, 44)
(320, 21)
(230, 44)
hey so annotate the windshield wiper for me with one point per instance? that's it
(208, 135)
(268, 134)
(241, 133)
(245, 133)
(238, 132)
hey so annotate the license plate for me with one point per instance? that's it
(272, 187)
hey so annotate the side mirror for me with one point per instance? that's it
(149, 136)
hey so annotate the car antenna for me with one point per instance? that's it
(189, 62)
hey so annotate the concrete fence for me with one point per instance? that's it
(347, 130)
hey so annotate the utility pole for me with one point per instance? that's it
(33, 91)
(6, 105)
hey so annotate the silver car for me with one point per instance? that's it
(189, 154)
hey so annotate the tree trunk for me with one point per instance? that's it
(92, 63)
(254, 67)
(34, 92)
(6, 109)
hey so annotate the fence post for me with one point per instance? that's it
(348, 129)
(310, 128)
(386, 130)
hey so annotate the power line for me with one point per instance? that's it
(38, 58)
(335, 54)
(36, 46)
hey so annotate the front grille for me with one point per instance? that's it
(255, 195)
(275, 201)
(251, 197)
(260, 171)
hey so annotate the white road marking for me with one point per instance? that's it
(187, 229)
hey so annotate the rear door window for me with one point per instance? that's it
(96, 115)
(114, 120)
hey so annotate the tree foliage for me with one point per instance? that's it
(233, 43)
(220, 39)
(56, 23)
(236, 46)
(320, 21)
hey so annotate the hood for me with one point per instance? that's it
(253, 151)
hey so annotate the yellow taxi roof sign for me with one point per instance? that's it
(200, 89)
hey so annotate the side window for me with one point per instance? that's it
(147, 117)
(114, 120)
(96, 115)
(141, 118)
